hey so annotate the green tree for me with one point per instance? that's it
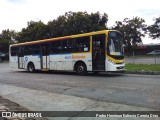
(76, 23)
(133, 30)
(81, 22)
(154, 30)
(7, 37)
(34, 31)
(98, 21)
(68, 24)
(57, 27)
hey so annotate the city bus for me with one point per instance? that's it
(100, 51)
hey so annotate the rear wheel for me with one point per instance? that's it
(81, 69)
(31, 67)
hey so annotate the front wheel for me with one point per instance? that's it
(81, 69)
(31, 68)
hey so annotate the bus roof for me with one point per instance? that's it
(62, 38)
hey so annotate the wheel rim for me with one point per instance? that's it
(80, 69)
(30, 68)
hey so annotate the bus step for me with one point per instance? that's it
(45, 69)
(100, 67)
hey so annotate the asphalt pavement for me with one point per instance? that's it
(20, 90)
(35, 100)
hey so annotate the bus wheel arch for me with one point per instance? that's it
(31, 67)
(80, 68)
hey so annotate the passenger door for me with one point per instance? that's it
(21, 57)
(45, 56)
(98, 52)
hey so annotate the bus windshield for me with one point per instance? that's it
(115, 44)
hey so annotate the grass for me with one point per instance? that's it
(143, 67)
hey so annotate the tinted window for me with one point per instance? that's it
(27, 50)
(55, 47)
(82, 44)
(35, 49)
(14, 51)
(68, 45)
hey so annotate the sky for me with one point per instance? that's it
(14, 14)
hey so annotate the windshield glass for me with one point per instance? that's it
(115, 44)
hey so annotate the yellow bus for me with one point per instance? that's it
(94, 51)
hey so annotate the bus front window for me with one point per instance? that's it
(115, 45)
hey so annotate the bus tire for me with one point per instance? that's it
(31, 67)
(81, 69)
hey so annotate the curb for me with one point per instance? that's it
(143, 72)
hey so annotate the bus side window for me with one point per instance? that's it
(82, 44)
(27, 50)
(68, 45)
(64, 46)
(14, 51)
(55, 47)
(71, 45)
(36, 49)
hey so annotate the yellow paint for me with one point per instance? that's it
(41, 41)
(90, 44)
(114, 60)
(65, 37)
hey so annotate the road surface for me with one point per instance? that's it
(127, 89)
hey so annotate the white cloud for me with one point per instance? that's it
(15, 14)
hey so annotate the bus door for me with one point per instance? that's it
(45, 56)
(20, 57)
(98, 52)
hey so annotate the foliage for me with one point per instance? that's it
(81, 22)
(57, 27)
(68, 24)
(132, 29)
(75, 23)
(7, 37)
(154, 30)
(34, 31)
